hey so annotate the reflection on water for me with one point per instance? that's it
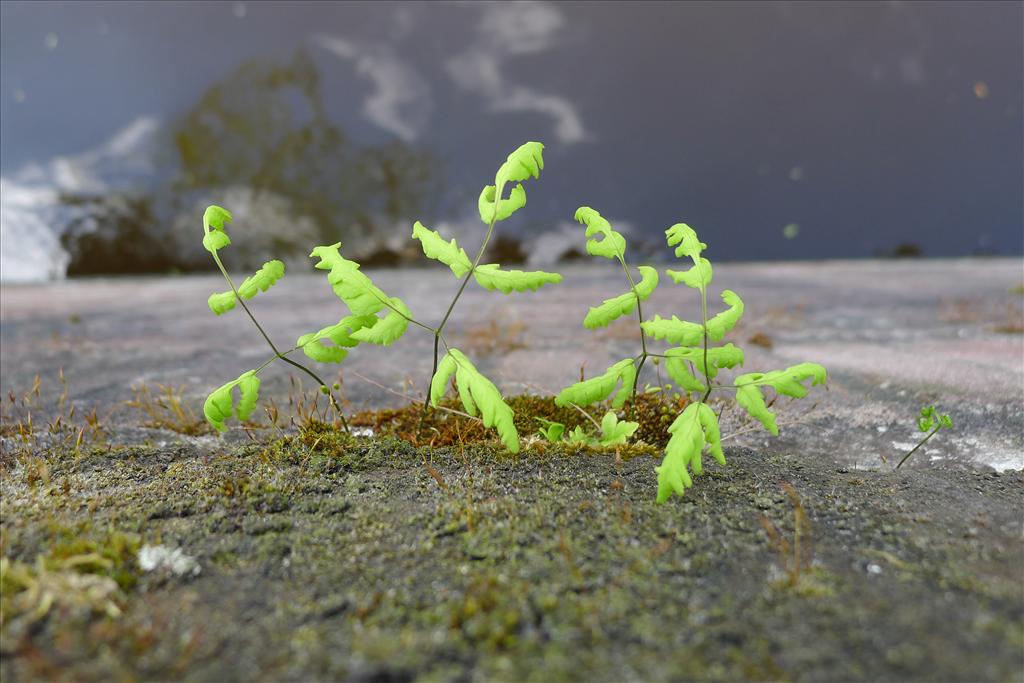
(876, 128)
(258, 141)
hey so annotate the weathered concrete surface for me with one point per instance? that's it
(894, 335)
(326, 558)
(323, 556)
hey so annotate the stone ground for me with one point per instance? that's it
(313, 555)
(894, 335)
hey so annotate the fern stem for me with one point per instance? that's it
(465, 281)
(915, 448)
(277, 353)
(640, 320)
(704, 325)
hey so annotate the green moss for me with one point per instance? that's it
(552, 565)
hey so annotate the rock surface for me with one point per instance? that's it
(894, 335)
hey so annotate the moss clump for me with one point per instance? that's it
(439, 428)
(107, 552)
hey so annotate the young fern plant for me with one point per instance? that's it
(365, 302)
(929, 424)
(692, 363)
(612, 245)
(221, 404)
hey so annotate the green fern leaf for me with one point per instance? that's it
(439, 382)
(214, 240)
(220, 404)
(698, 276)
(478, 394)
(222, 302)
(551, 431)
(750, 398)
(727, 356)
(579, 437)
(601, 387)
(679, 371)
(349, 284)
(685, 237)
(612, 244)
(214, 236)
(712, 437)
(448, 253)
(524, 163)
(260, 281)
(489, 276)
(506, 207)
(726, 320)
(694, 428)
(389, 328)
(624, 304)
(686, 441)
(615, 433)
(313, 345)
(788, 382)
(674, 331)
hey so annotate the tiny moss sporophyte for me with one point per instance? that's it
(376, 317)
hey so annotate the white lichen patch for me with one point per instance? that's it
(152, 557)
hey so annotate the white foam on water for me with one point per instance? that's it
(32, 215)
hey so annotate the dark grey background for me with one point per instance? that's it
(867, 124)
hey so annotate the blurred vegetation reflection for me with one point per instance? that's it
(260, 140)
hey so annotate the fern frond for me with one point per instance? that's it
(712, 437)
(389, 328)
(489, 276)
(686, 238)
(439, 382)
(674, 331)
(350, 284)
(220, 404)
(260, 281)
(788, 382)
(615, 433)
(679, 372)
(526, 162)
(222, 302)
(214, 235)
(340, 334)
(506, 207)
(727, 356)
(697, 276)
(612, 244)
(624, 304)
(727, 319)
(478, 394)
(686, 441)
(694, 428)
(214, 240)
(448, 253)
(601, 387)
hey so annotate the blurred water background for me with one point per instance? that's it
(781, 130)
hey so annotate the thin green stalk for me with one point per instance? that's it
(921, 443)
(277, 353)
(465, 281)
(704, 324)
(640, 320)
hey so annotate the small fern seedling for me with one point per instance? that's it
(693, 364)
(930, 422)
(365, 302)
(612, 245)
(609, 432)
(221, 404)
